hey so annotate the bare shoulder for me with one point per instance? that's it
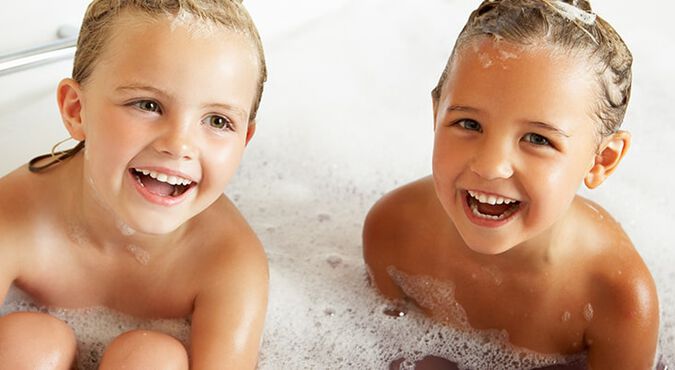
(232, 295)
(624, 327)
(396, 223)
(15, 195)
(231, 244)
(16, 210)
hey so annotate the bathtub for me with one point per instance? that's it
(346, 116)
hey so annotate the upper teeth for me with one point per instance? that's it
(169, 179)
(490, 199)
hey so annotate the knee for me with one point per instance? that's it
(145, 349)
(30, 340)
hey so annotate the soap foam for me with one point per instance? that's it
(341, 151)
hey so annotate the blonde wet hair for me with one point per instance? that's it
(101, 14)
(99, 21)
(567, 26)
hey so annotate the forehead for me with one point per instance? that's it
(178, 54)
(533, 80)
(133, 25)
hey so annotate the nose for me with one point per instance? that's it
(176, 140)
(492, 161)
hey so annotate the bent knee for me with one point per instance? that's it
(30, 340)
(145, 349)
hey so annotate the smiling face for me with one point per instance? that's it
(514, 138)
(165, 116)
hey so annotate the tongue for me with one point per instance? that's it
(492, 210)
(157, 187)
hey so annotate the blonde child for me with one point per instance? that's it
(528, 107)
(163, 101)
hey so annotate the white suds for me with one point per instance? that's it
(125, 229)
(573, 13)
(140, 254)
(588, 312)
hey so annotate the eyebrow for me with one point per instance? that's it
(462, 108)
(221, 106)
(541, 125)
(143, 87)
(548, 127)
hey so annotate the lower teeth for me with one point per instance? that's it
(476, 212)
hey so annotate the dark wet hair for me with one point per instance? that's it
(568, 26)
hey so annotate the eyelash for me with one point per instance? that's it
(462, 124)
(156, 108)
(529, 137)
(139, 104)
(227, 123)
(546, 142)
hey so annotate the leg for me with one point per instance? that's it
(30, 340)
(144, 349)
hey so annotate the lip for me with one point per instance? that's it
(154, 198)
(165, 171)
(483, 222)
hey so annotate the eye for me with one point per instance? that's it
(536, 139)
(469, 124)
(148, 106)
(218, 122)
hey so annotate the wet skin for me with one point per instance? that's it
(92, 231)
(559, 275)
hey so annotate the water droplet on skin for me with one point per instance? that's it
(588, 312)
(566, 316)
(334, 261)
(77, 234)
(494, 273)
(125, 229)
(140, 254)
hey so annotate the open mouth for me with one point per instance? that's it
(161, 184)
(491, 207)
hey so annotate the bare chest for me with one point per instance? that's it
(126, 281)
(543, 315)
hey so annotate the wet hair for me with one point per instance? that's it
(96, 31)
(566, 26)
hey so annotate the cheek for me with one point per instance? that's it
(552, 187)
(221, 161)
(449, 159)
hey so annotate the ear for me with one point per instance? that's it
(612, 150)
(434, 107)
(69, 99)
(250, 131)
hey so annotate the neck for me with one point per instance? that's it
(91, 223)
(533, 255)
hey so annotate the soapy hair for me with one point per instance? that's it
(568, 26)
(101, 14)
(99, 20)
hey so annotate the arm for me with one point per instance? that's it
(624, 331)
(229, 311)
(379, 245)
(8, 257)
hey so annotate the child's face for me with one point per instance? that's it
(164, 99)
(515, 127)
